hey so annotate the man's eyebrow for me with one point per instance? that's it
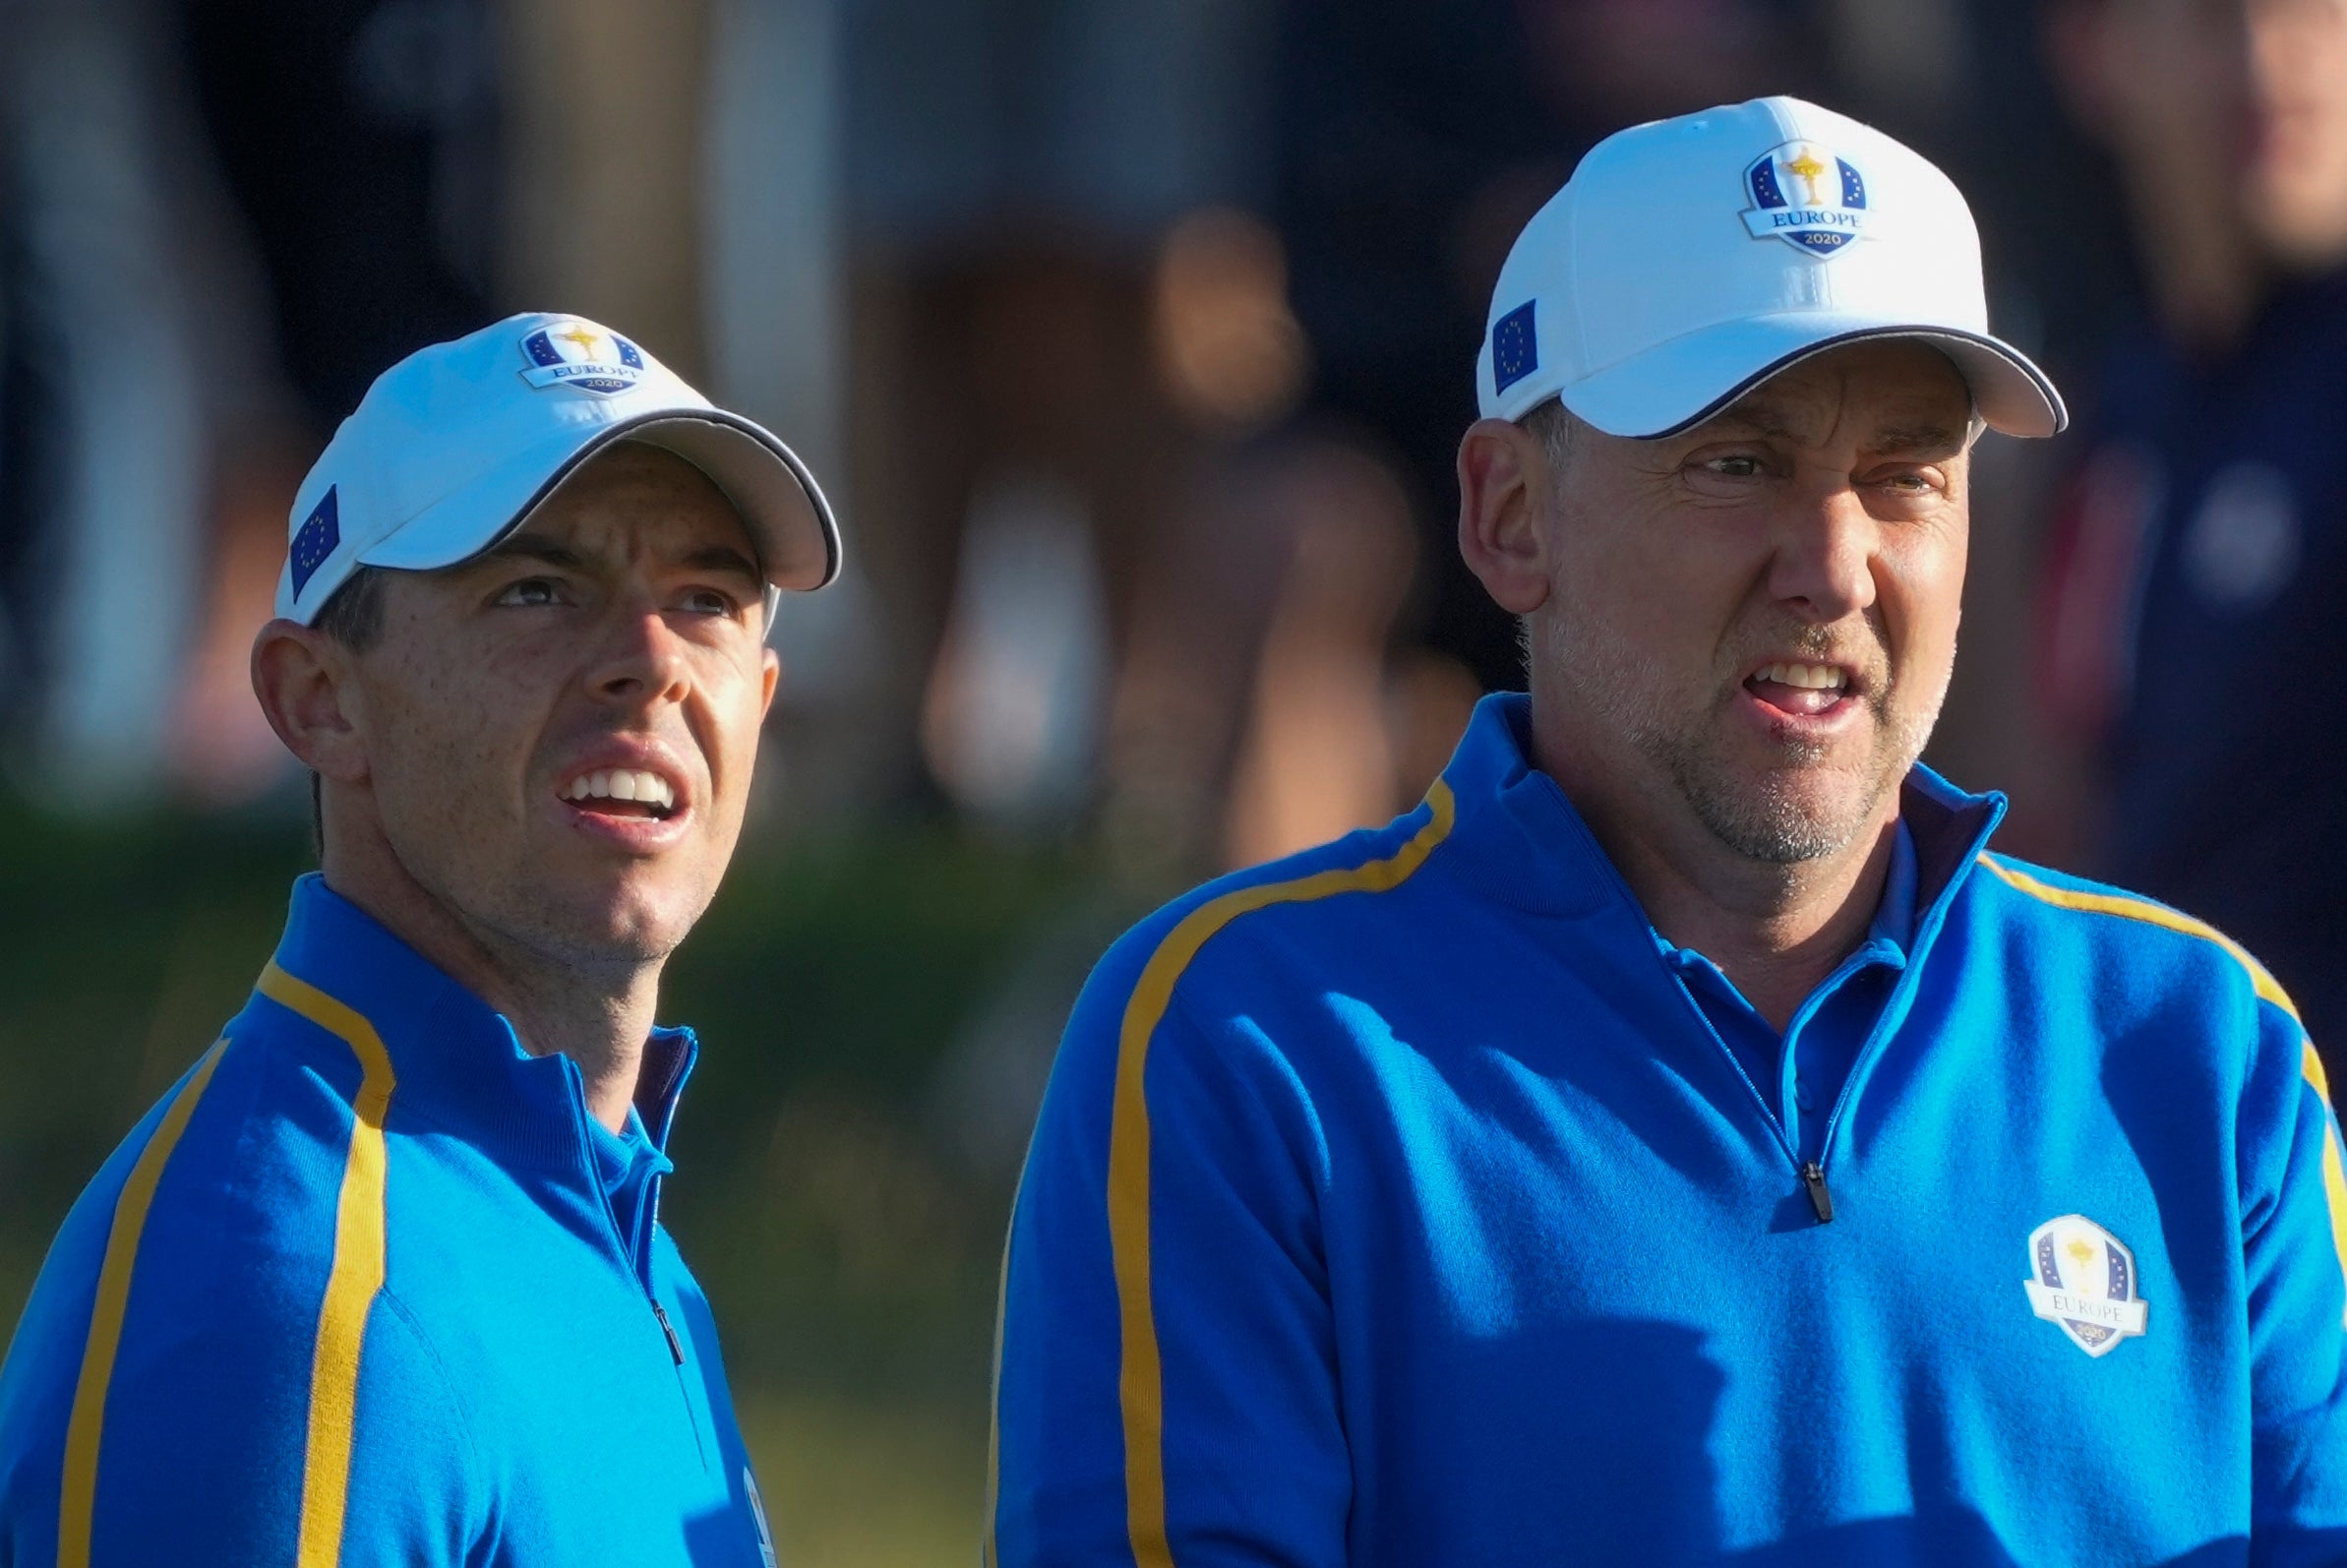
(723, 557)
(1753, 418)
(1917, 439)
(1903, 440)
(554, 553)
(538, 547)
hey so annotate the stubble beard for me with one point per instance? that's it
(1781, 819)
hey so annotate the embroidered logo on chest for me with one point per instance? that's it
(2082, 1280)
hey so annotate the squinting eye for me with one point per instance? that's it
(709, 601)
(529, 594)
(1738, 468)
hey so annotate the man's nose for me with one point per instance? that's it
(643, 660)
(1824, 562)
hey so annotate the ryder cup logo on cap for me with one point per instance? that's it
(582, 356)
(1830, 211)
(453, 446)
(1652, 291)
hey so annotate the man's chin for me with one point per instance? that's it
(1786, 816)
(616, 920)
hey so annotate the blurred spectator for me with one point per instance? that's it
(221, 219)
(1058, 317)
(359, 138)
(2193, 652)
(125, 312)
(605, 200)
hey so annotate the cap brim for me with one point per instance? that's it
(1677, 385)
(789, 520)
(797, 535)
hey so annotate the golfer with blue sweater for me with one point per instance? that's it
(382, 1280)
(1684, 1138)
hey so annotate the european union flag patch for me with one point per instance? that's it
(315, 540)
(1515, 348)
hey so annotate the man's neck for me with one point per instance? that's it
(599, 1017)
(1776, 930)
(1775, 935)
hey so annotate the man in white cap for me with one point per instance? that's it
(381, 1279)
(1681, 1139)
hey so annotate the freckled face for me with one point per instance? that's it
(560, 733)
(1758, 618)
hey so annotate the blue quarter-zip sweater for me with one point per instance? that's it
(1401, 1204)
(369, 1287)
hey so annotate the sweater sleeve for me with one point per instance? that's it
(216, 1449)
(170, 1395)
(1166, 1387)
(2294, 1207)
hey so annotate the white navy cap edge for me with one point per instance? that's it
(788, 519)
(2011, 394)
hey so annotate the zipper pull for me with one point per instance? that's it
(1813, 1177)
(676, 1347)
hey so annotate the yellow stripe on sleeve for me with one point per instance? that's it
(1140, 1390)
(2150, 914)
(2310, 1067)
(2334, 1169)
(85, 1427)
(352, 1283)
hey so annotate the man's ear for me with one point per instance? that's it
(770, 662)
(1503, 480)
(303, 680)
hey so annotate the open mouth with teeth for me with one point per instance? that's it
(1806, 689)
(623, 792)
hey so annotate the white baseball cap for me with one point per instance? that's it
(1689, 260)
(454, 445)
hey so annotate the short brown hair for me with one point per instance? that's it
(353, 614)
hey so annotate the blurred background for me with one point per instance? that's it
(1132, 340)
